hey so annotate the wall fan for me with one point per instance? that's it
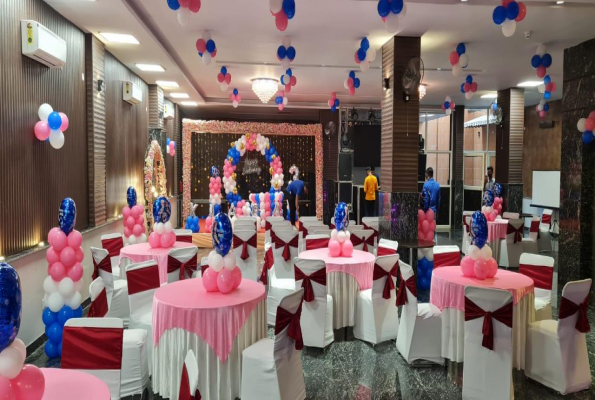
(412, 76)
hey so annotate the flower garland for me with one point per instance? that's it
(154, 173)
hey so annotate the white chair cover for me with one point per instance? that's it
(510, 252)
(320, 230)
(278, 224)
(307, 219)
(446, 256)
(543, 289)
(352, 228)
(530, 244)
(248, 266)
(510, 215)
(386, 247)
(113, 241)
(363, 234)
(544, 242)
(117, 290)
(282, 278)
(183, 255)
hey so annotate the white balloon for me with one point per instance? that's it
(49, 285)
(75, 301)
(345, 84)
(429, 254)
(285, 101)
(541, 50)
(473, 251)
(184, 16)
(364, 65)
(44, 111)
(420, 255)
(370, 54)
(229, 261)
(56, 139)
(464, 60)
(217, 262)
(235, 104)
(347, 235)
(286, 39)
(448, 111)
(55, 302)
(448, 99)
(223, 86)
(206, 58)
(78, 285)
(457, 70)
(159, 228)
(469, 95)
(334, 234)
(66, 287)
(403, 11)
(206, 35)
(581, 125)
(486, 252)
(541, 88)
(540, 107)
(484, 209)
(20, 346)
(509, 27)
(168, 227)
(392, 22)
(11, 362)
(341, 236)
(132, 239)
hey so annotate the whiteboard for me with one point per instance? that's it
(546, 189)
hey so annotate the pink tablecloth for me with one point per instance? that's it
(68, 384)
(360, 265)
(214, 317)
(497, 229)
(144, 252)
(448, 286)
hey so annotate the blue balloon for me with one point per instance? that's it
(67, 215)
(497, 189)
(546, 60)
(222, 234)
(461, 49)
(494, 106)
(167, 141)
(446, 104)
(64, 315)
(547, 95)
(10, 301)
(365, 44)
(291, 53)
(352, 74)
(547, 79)
(536, 61)
(51, 350)
(337, 102)
(396, 6)
(224, 70)
(211, 45)
(463, 88)
(424, 200)
(479, 229)
(257, 198)
(282, 80)
(217, 208)
(289, 8)
(588, 137)
(60, 350)
(361, 54)
(333, 108)
(356, 83)
(173, 4)
(488, 198)
(54, 120)
(341, 216)
(78, 312)
(48, 316)
(469, 79)
(131, 196)
(235, 91)
(499, 15)
(54, 333)
(383, 8)
(512, 10)
(289, 72)
(281, 52)
(546, 107)
(161, 210)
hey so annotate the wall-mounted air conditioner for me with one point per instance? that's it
(168, 110)
(43, 45)
(132, 93)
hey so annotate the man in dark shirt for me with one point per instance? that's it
(295, 190)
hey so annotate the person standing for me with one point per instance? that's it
(489, 179)
(434, 189)
(295, 190)
(370, 188)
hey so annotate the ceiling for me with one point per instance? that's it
(326, 34)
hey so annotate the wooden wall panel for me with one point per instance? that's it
(155, 106)
(35, 177)
(509, 137)
(458, 128)
(178, 157)
(386, 151)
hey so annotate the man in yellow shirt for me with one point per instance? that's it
(370, 188)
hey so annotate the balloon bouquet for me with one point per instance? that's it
(426, 224)
(214, 196)
(134, 221)
(492, 203)
(479, 263)
(340, 243)
(51, 126)
(163, 234)
(222, 275)
(63, 286)
(17, 381)
(192, 220)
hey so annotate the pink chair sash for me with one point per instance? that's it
(285, 318)
(237, 242)
(568, 308)
(184, 238)
(140, 280)
(546, 219)
(542, 276)
(447, 259)
(380, 273)
(189, 267)
(185, 387)
(518, 232)
(105, 265)
(385, 251)
(357, 241)
(113, 246)
(318, 277)
(313, 244)
(280, 243)
(92, 348)
(99, 307)
(503, 314)
(534, 228)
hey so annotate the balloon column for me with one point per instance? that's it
(426, 223)
(281, 101)
(391, 12)
(288, 80)
(468, 88)
(333, 102)
(185, 9)
(206, 47)
(490, 205)
(459, 59)
(508, 14)
(63, 286)
(214, 195)
(192, 220)
(479, 263)
(51, 126)
(425, 266)
(351, 83)
(134, 221)
(283, 11)
(235, 98)
(448, 105)
(541, 61)
(17, 381)
(163, 234)
(222, 274)
(586, 126)
(340, 243)
(365, 55)
(170, 146)
(286, 53)
(224, 79)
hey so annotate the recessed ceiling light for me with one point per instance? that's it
(167, 84)
(189, 103)
(464, 1)
(179, 95)
(490, 96)
(560, 2)
(150, 67)
(530, 84)
(429, 115)
(119, 38)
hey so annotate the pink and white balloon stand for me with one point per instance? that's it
(492, 212)
(479, 263)
(163, 236)
(426, 224)
(134, 224)
(340, 244)
(19, 381)
(223, 275)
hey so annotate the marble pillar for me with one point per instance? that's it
(456, 184)
(515, 198)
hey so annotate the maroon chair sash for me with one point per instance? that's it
(375, 234)
(237, 242)
(542, 276)
(286, 245)
(189, 267)
(406, 284)
(357, 241)
(303, 229)
(503, 314)
(333, 226)
(534, 228)
(380, 273)
(268, 264)
(203, 268)
(267, 226)
(184, 238)
(92, 348)
(105, 265)
(466, 225)
(312, 244)
(385, 251)
(185, 387)
(140, 280)
(113, 246)
(518, 232)
(285, 318)
(568, 308)
(99, 307)
(447, 259)
(318, 277)
(546, 219)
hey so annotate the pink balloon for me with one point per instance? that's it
(6, 391)
(164, 240)
(453, 58)
(592, 114)
(58, 239)
(65, 122)
(467, 87)
(357, 61)
(140, 209)
(220, 79)
(29, 384)
(281, 21)
(57, 271)
(334, 248)
(154, 240)
(212, 179)
(126, 212)
(486, 214)
(541, 71)
(140, 221)
(51, 234)
(347, 248)
(293, 81)
(433, 226)
(474, 87)
(492, 268)
(209, 280)
(130, 222)
(480, 269)
(228, 78)
(467, 265)
(172, 152)
(542, 114)
(430, 236)
(493, 215)
(236, 275)
(430, 216)
(52, 256)
(225, 281)
(350, 83)
(421, 216)
(79, 255)
(127, 231)
(238, 97)
(135, 213)
(425, 226)
(67, 257)
(76, 272)
(420, 234)
(42, 130)
(75, 239)
(137, 230)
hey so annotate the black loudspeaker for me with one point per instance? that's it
(345, 165)
(421, 167)
(346, 192)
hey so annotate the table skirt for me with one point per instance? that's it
(453, 331)
(343, 288)
(217, 380)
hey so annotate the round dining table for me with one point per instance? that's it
(345, 277)
(216, 327)
(144, 252)
(70, 384)
(448, 294)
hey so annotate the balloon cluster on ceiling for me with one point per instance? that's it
(283, 11)
(468, 88)
(391, 11)
(459, 59)
(508, 14)
(541, 61)
(185, 9)
(51, 126)
(448, 105)
(235, 98)
(281, 101)
(334, 102)
(206, 48)
(288, 80)
(365, 55)
(351, 83)
(286, 52)
(224, 79)
(586, 126)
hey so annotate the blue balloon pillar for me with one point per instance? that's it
(425, 266)
(54, 326)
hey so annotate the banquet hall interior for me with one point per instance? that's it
(297, 199)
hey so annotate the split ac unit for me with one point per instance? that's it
(42, 45)
(132, 93)
(168, 110)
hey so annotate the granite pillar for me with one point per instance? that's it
(456, 184)
(329, 200)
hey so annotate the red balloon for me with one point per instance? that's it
(454, 58)
(548, 87)
(522, 12)
(589, 126)
(350, 82)
(214, 53)
(220, 77)
(430, 216)
(184, 3)
(592, 115)
(542, 114)
(201, 45)
(474, 87)
(452, 105)
(281, 21)
(228, 78)
(541, 71)
(425, 226)
(293, 80)
(505, 3)
(352, 91)
(467, 87)
(331, 103)
(194, 6)
(357, 61)
(554, 86)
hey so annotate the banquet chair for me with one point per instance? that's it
(113, 243)
(446, 256)
(306, 228)
(352, 228)
(143, 281)
(204, 264)
(317, 308)
(544, 243)
(510, 215)
(285, 249)
(320, 230)
(135, 368)
(317, 241)
(245, 222)
(376, 316)
(488, 357)
(185, 236)
(530, 244)
(182, 263)
(189, 380)
(180, 231)
(420, 327)
(276, 222)
(387, 247)
(466, 233)
(511, 247)
(244, 244)
(124, 261)
(117, 290)
(272, 369)
(557, 355)
(368, 221)
(541, 270)
(363, 240)
(94, 346)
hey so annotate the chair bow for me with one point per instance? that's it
(280, 243)
(267, 226)
(185, 387)
(303, 229)
(535, 228)
(389, 285)
(268, 264)
(568, 308)
(401, 293)
(285, 318)
(190, 266)
(113, 246)
(546, 219)
(333, 226)
(357, 241)
(318, 277)
(385, 251)
(99, 307)
(375, 234)
(503, 314)
(237, 242)
(518, 232)
(542, 276)
(105, 265)
(312, 244)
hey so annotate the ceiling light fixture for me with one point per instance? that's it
(422, 91)
(189, 103)
(150, 67)
(490, 96)
(179, 95)
(119, 38)
(530, 84)
(264, 88)
(560, 2)
(168, 84)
